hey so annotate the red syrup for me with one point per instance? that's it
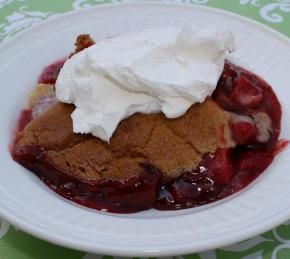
(135, 194)
(218, 175)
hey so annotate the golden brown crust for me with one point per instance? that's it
(83, 41)
(88, 159)
(205, 126)
(92, 160)
(170, 153)
(52, 129)
(134, 133)
(172, 146)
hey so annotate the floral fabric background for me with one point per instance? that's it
(17, 15)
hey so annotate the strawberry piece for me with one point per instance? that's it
(243, 132)
(245, 93)
(224, 101)
(218, 165)
(50, 73)
(249, 165)
(227, 78)
(253, 161)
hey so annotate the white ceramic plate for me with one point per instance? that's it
(31, 206)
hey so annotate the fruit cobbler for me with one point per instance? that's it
(215, 149)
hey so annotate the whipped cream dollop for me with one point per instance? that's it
(163, 69)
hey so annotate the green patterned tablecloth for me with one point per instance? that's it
(16, 15)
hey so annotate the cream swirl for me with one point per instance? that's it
(163, 69)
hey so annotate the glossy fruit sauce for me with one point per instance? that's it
(218, 175)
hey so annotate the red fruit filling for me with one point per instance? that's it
(245, 93)
(135, 194)
(255, 122)
(50, 73)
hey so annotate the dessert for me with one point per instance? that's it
(211, 149)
